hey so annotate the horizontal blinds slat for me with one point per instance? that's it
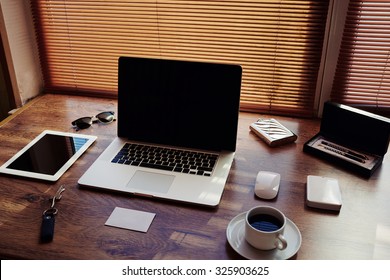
(363, 71)
(278, 43)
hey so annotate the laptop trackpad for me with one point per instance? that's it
(151, 182)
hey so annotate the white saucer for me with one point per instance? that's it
(235, 236)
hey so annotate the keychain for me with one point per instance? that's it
(48, 218)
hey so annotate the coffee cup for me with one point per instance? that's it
(264, 227)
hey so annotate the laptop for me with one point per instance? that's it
(177, 131)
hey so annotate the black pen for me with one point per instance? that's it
(354, 158)
(357, 155)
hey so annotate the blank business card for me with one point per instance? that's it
(130, 219)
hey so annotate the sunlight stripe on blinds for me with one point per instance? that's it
(278, 44)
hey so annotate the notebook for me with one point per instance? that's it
(177, 130)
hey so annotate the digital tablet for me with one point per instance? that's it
(48, 156)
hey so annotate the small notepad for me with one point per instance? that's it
(323, 192)
(130, 219)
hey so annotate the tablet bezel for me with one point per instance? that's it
(6, 170)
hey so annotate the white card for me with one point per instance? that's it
(130, 219)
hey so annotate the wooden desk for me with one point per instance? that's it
(359, 231)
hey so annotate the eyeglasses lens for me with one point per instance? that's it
(105, 117)
(83, 123)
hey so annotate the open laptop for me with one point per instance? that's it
(177, 130)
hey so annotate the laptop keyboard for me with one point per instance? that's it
(166, 159)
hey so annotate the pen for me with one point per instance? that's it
(354, 158)
(345, 154)
(363, 157)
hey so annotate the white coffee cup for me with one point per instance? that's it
(264, 227)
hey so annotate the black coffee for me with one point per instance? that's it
(265, 222)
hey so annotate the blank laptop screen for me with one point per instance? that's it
(189, 104)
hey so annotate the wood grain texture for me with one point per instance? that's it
(181, 231)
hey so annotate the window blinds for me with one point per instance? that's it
(278, 44)
(363, 71)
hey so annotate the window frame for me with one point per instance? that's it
(333, 35)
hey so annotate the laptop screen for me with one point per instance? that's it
(178, 103)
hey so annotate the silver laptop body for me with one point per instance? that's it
(177, 130)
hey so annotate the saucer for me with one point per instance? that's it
(235, 234)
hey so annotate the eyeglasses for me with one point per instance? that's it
(85, 122)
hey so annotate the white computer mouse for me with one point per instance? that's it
(267, 184)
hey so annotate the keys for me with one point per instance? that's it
(48, 218)
(168, 159)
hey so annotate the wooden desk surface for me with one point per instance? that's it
(179, 231)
